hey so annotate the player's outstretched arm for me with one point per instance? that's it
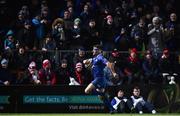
(111, 67)
(87, 62)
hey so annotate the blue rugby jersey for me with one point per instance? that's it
(99, 63)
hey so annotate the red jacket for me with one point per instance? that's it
(47, 77)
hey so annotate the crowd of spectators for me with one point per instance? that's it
(45, 42)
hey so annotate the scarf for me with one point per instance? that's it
(79, 77)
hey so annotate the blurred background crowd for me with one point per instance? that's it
(46, 41)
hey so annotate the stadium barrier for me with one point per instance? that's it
(70, 99)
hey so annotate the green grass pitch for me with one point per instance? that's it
(85, 114)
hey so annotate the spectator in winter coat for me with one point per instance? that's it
(138, 34)
(31, 75)
(133, 67)
(9, 43)
(59, 34)
(80, 56)
(26, 36)
(80, 74)
(39, 29)
(48, 44)
(119, 61)
(76, 31)
(150, 68)
(91, 35)
(122, 41)
(21, 59)
(63, 73)
(5, 75)
(172, 32)
(46, 74)
(165, 62)
(108, 33)
(156, 37)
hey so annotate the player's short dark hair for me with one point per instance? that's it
(136, 87)
(121, 90)
(98, 46)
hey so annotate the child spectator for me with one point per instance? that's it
(140, 104)
(120, 103)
